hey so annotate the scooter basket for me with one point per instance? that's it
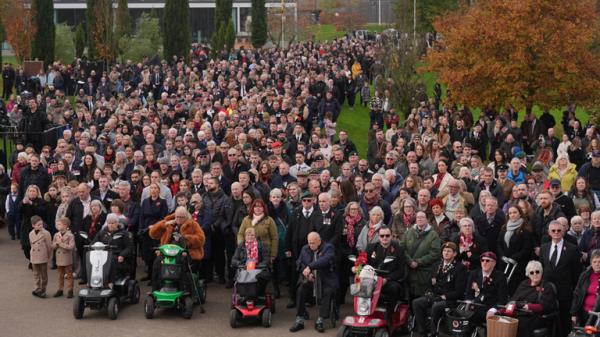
(458, 322)
(247, 289)
(171, 272)
(502, 326)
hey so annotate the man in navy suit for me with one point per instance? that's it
(561, 261)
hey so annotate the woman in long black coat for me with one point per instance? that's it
(515, 242)
(153, 210)
(32, 204)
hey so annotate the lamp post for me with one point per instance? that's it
(282, 22)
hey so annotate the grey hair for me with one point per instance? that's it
(468, 221)
(376, 209)
(595, 213)
(125, 184)
(534, 265)
(594, 254)
(112, 217)
(275, 192)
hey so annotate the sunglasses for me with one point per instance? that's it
(556, 230)
(536, 272)
(385, 235)
(306, 200)
(486, 260)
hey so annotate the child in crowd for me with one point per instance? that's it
(365, 94)
(64, 243)
(41, 252)
(13, 214)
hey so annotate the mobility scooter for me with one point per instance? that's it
(175, 266)
(370, 319)
(98, 294)
(246, 303)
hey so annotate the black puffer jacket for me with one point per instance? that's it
(219, 206)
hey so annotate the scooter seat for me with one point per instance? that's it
(122, 281)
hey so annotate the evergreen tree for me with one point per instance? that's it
(2, 37)
(177, 33)
(90, 25)
(224, 36)
(42, 47)
(259, 23)
(79, 40)
(123, 23)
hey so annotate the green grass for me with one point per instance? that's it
(356, 123)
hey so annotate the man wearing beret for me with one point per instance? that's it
(487, 287)
(448, 282)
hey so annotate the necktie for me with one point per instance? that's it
(306, 213)
(554, 257)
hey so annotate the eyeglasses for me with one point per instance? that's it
(306, 200)
(231, 155)
(537, 272)
(556, 230)
(554, 186)
(486, 260)
(385, 235)
(368, 191)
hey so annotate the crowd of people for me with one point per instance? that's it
(246, 147)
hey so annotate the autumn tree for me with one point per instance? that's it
(522, 53)
(102, 34)
(19, 27)
(43, 42)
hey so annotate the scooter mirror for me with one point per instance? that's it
(352, 258)
(83, 235)
(117, 236)
(389, 259)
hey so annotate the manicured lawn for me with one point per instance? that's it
(356, 123)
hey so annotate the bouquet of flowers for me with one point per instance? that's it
(361, 260)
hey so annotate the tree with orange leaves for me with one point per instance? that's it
(522, 53)
(19, 27)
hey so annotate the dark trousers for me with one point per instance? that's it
(218, 260)
(423, 307)
(293, 279)
(391, 292)
(305, 291)
(345, 275)
(564, 317)
(148, 255)
(14, 226)
(7, 89)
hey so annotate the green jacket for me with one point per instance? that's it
(425, 249)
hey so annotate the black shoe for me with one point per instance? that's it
(82, 282)
(229, 284)
(319, 326)
(30, 267)
(297, 327)
(36, 292)
(54, 267)
(59, 293)
(70, 294)
(291, 305)
(42, 294)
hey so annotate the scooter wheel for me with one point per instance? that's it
(233, 318)
(149, 307)
(381, 332)
(266, 318)
(78, 307)
(188, 307)
(113, 308)
(135, 298)
(343, 331)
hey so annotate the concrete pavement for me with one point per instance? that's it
(22, 315)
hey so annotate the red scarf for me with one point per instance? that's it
(465, 246)
(351, 222)
(371, 232)
(92, 229)
(252, 251)
(438, 180)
